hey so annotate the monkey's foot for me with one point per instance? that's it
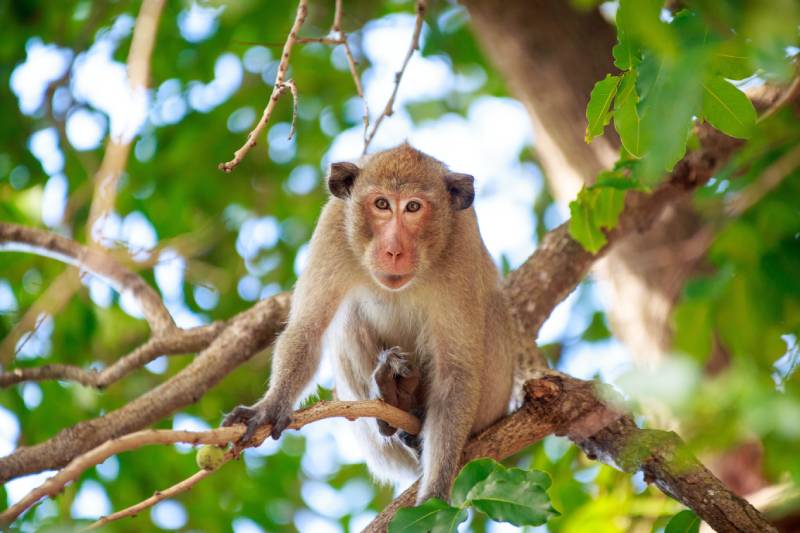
(412, 441)
(395, 381)
(254, 418)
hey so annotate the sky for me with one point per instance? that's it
(102, 103)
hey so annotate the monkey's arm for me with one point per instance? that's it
(297, 351)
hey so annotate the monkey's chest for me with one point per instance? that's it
(396, 324)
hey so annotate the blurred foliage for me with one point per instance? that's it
(172, 182)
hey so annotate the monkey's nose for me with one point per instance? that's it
(394, 254)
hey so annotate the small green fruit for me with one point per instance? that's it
(210, 457)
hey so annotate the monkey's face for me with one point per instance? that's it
(396, 222)
(399, 214)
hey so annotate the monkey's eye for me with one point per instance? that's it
(413, 206)
(382, 204)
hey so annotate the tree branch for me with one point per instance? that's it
(596, 421)
(24, 239)
(179, 341)
(245, 335)
(220, 436)
(560, 263)
(422, 6)
(351, 62)
(279, 88)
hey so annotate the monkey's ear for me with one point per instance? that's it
(341, 179)
(461, 189)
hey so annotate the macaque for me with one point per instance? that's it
(402, 294)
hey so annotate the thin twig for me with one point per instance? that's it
(351, 63)
(102, 264)
(389, 109)
(220, 436)
(159, 495)
(50, 302)
(293, 89)
(175, 342)
(278, 89)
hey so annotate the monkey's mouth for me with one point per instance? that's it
(393, 281)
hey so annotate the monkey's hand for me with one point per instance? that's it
(275, 414)
(396, 381)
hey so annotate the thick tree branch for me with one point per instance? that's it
(219, 437)
(179, 341)
(24, 239)
(560, 263)
(556, 403)
(245, 335)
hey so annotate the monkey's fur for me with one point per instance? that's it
(450, 324)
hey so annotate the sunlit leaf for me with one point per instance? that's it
(626, 116)
(515, 496)
(727, 108)
(598, 111)
(626, 52)
(473, 473)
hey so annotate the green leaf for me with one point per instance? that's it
(515, 496)
(582, 227)
(626, 116)
(615, 180)
(730, 60)
(641, 20)
(434, 515)
(727, 108)
(473, 473)
(683, 522)
(598, 111)
(627, 54)
(670, 96)
(595, 209)
(607, 203)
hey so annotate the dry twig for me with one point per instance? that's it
(351, 62)
(398, 77)
(277, 90)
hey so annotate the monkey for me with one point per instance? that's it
(401, 292)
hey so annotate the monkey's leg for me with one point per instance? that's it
(395, 381)
(451, 409)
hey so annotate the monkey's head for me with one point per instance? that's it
(401, 207)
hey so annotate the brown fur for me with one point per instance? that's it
(451, 321)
